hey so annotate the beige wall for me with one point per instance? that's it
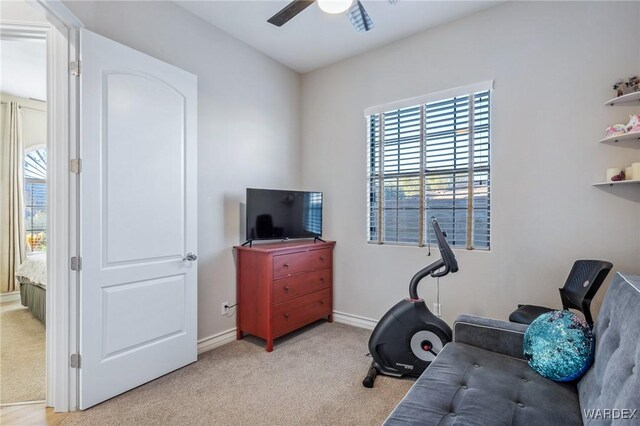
(248, 134)
(553, 64)
(34, 116)
(20, 11)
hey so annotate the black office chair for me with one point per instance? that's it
(581, 286)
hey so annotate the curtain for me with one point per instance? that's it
(12, 235)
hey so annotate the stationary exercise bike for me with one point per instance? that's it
(409, 336)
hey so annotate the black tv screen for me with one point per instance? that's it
(276, 214)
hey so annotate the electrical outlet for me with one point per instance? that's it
(437, 309)
(225, 308)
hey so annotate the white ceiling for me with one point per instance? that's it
(314, 39)
(23, 69)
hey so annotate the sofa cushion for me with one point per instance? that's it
(503, 337)
(472, 386)
(613, 382)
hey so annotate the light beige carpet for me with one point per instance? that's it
(311, 378)
(22, 360)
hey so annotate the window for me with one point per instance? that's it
(312, 218)
(35, 199)
(431, 159)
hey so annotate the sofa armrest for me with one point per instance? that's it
(493, 335)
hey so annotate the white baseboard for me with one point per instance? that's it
(10, 297)
(354, 320)
(11, 404)
(216, 340)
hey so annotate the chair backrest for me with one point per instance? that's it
(582, 284)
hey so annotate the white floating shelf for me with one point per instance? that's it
(629, 99)
(628, 139)
(620, 182)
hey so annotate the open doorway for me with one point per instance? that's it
(38, 43)
(23, 223)
(156, 280)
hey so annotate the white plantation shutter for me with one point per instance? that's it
(35, 199)
(421, 166)
(401, 177)
(312, 214)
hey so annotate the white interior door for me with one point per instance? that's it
(138, 307)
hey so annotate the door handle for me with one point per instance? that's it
(190, 257)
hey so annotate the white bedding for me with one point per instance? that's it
(34, 268)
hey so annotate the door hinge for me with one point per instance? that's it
(75, 165)
(76, 263)
(74, 67)
(75, 360)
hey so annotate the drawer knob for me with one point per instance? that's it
(322, 258)
(322, 302)
(286, 289)
(286, 265)
(321, 279)
(286, 316)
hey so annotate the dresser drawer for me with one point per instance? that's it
(295, 313)
(287, 288)
(320, 258)
(290, 264)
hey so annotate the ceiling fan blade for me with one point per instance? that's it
(359, 17)
(289, 11)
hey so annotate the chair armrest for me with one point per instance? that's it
(493, 335)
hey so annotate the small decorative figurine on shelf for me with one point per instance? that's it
(634, 124)
(616, 130)
(633, 84)
(618, 177)
(618, 87)
(622, 129)
(611, 172)
(625, 87)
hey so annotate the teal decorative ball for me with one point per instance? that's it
(559, 345)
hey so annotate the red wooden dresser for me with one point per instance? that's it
(283, 286)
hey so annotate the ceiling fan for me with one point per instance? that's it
(356, 13)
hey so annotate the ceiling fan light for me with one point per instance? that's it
(335, 6)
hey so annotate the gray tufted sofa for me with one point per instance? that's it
(481, 377)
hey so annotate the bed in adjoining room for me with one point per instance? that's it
(31, 276)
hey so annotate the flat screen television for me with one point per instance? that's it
(278, 214)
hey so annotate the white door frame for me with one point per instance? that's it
(62, 205)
